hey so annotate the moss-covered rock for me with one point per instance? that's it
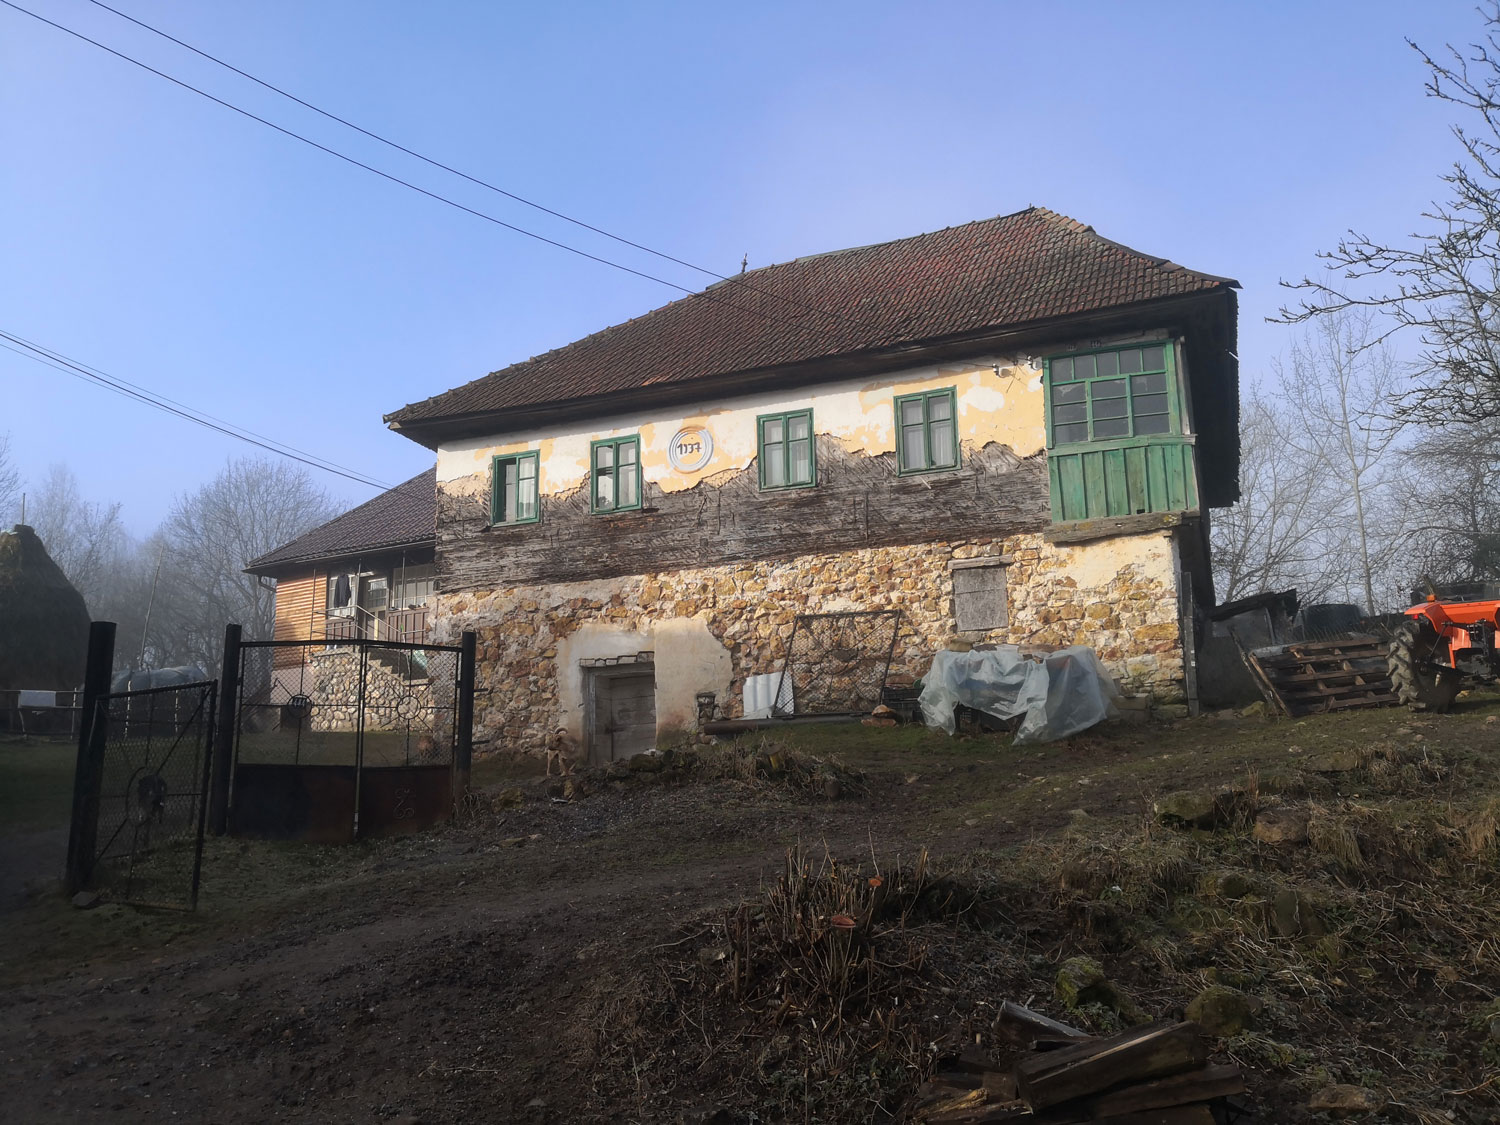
(1081, 983)
(1224, 1011)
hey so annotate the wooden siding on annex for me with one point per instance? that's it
(300, 604)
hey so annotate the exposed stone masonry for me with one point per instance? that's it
(1127, 612)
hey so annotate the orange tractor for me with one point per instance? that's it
(1439, 646)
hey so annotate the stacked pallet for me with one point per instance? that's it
(1311, 677)
(1158, 1074)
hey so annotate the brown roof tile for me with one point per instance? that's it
(1034, 265)
(402, 516)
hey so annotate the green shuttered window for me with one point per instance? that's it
(927, 431)
(1115, 434)
(786, 450)
(513, 489)
(616, 486)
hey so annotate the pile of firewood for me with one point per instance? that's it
(1158, 1074)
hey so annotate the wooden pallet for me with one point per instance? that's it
(1311, 677)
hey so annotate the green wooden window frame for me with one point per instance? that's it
(515, 493)
(927, 431)
(1110, 394)
(615, 462)
(787, 450)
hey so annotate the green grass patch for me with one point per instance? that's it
(36, 783)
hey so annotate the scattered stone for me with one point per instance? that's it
(510, 798)
(1281, 826)
(1293, 915)
(647, 761)
(85, 900)
(1341, 760)
(880, 721)
(1081, 981)
(1223, 1011)
(1346, 1101)
(958, 644)
(1233, 885)
(513, 842)
(1260, 709)
(1194, 809)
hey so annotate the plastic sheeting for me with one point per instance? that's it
(1062, 694)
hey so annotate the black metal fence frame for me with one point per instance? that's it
(804, 621)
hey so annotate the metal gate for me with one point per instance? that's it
(335, 740)
(152, 784)
(836, 663)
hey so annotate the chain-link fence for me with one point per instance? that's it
(836, 663)
(152, 787)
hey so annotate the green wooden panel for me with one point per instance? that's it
(1122, 478)
(1116, 498)
(1093, 481)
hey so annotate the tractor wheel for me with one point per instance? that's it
(1418, 684)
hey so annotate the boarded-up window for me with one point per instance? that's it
(979, 595)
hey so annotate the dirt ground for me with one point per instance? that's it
(560, 960)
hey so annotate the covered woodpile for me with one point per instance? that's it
(44, 623)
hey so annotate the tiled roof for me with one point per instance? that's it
(1034, 265)
(403, 516)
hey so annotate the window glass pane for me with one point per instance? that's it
(1130, 361)
(1076, 432)
(508, 492)
(913, 447)
(1154, 359)
(526, 468)
(1111, 427)
(1109, 408)
(1150, 404)
(625, 453)
(1073, 392)
(939, 407)
(944, 453)
(1111, 388)
(604, 488)
(629, 484)
(801, 472)
(1148, 384)
(1153, 424)
(1109, 363)
(1083, 366)
(911, 412)
(1062, 370)
(772, 431)
(1070, 412)
(775, 467)
(799, 426)
(526, 490)
(604, 456)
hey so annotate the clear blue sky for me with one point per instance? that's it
(168, 241)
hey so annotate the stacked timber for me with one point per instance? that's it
(1158, 1074)
(1311, 677)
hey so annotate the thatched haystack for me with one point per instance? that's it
(44, 623)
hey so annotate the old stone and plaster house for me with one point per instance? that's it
(1010, 431)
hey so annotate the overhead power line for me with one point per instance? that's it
(456, 171)
(56, 360)
(695, 293)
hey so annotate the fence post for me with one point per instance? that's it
(463, 753)
(224, 729)
(83, 833)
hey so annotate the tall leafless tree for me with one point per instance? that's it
(10, 485)
(1441, 284)
(85, 538)
(251, 507)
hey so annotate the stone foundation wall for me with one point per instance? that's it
(392, 702)
(1118, 596)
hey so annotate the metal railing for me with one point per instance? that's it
(409, 626)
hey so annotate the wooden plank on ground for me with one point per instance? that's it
(1154, 1051)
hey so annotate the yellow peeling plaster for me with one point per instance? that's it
(1003, 406)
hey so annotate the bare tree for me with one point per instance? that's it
(1273, 538)
(86, 539)
(1452, 492)
(10, 482)
(1443, 283)
(1338, 385)
(250, 508)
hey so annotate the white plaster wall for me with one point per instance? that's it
(999, 400)
(688, 659)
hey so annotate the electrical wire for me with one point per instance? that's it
(56, 360)
(461, 174)
(694, 293)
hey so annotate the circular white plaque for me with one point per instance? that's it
(691, 448)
